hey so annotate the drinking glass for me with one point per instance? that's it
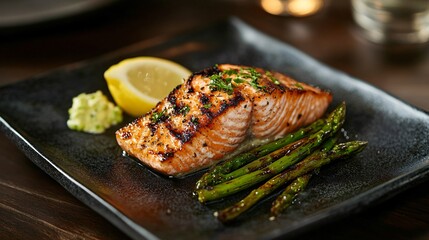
(393, 21)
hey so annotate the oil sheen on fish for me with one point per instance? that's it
(214, 111)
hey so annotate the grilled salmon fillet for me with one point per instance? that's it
(214, 111)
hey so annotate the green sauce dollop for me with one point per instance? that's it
(93, 113)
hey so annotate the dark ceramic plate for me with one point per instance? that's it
(143, 204)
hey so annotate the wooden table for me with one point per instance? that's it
(33, 206)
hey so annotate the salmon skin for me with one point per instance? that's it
(207, 117)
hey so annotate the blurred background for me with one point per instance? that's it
(70, 31)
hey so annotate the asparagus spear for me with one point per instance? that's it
(270, 158)
(262, 161)
(333, 123)
(285, 199)
(312, 162)
(217, 174)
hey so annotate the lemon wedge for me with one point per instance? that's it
(138, 84)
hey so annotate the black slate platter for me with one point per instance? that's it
(145, 205)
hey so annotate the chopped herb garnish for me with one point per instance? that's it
(194, 120)
(218, 83)
(184, 110)
(239, 80)
(230, 72)
(158, 116)
(272, 78)
(299, 86)
(254, 76)
(207, 106)
(249, 75)
(254, 83)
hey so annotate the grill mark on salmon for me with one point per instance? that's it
(214, 111)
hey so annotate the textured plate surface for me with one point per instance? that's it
(145, 205)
